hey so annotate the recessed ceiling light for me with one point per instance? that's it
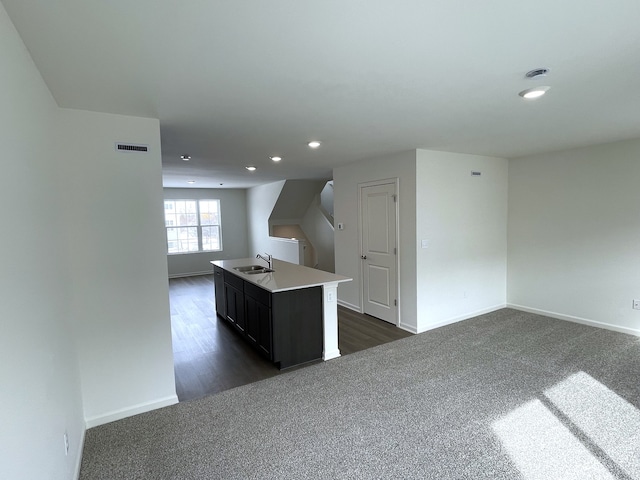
(251, 168)
(535, 92)
(186, 158)
(191, 181)
(314, 144)
(276, 158)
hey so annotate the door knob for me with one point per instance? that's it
(364, 257)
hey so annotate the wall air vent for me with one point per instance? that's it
(475, 173)
(130, 147)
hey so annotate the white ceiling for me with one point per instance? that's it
(235, 81)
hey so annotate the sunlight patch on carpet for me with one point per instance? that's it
(543, 448)
(609, 421)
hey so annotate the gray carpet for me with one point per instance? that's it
(506, 395)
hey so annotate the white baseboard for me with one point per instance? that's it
(570, 318)
(130, 411)
(407, 328)
(190, 274)
(357, 309)
(79, 455)
(330, 355)
(460, 318)
(350, 306)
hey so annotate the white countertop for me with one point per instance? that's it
(286, 276)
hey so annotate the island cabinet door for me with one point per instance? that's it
(258, 310)
(253, 328)
(259, 325)
(234, 299)
(265, 334)
(218, 285)
(235, 306)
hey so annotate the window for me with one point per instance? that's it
(192, 225)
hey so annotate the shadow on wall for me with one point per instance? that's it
(302, 215)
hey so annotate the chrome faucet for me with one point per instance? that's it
(267, 259)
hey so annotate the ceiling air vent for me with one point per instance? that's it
(538, 72)
(130, 147)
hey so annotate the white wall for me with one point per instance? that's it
(235, 241)
(260, 203)
(326, 198)
(464, 219)
(321, 235)
(40, 392)
(347, 246)
(117, 255)
(574, 234)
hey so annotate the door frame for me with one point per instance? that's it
(396, 183)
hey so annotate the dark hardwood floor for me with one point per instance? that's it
(210, 357)
(358, 332)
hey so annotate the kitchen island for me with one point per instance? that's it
(287, 312)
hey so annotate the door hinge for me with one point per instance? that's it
(395, 251)
(395, 302)
(395, 198)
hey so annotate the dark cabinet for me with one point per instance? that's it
(258, 316)
(234, 300)
(218, 285)
(235, 306)
(259, 325)
(297, 326)
(285, 327)
(264, 330)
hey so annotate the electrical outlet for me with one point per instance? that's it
(66, 443)
(636, 304)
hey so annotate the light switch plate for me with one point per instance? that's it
(424, 243)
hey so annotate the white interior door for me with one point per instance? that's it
(378, 240)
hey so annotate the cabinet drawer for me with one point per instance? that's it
(234, 281)
(259, 294)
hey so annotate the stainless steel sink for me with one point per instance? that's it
(248, 268)
(253, 269)
(262, 270)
